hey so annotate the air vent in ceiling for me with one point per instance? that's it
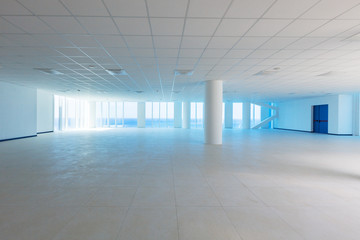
(116, 72)
(139, 91)
(327, 74)
(49, 71)
(183, 72)
(267, 72)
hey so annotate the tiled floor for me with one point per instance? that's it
(143, 184)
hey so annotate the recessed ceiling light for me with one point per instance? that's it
(139, 91)
(91, 67)
(49, 71)
(117, 71)
(327, 74)
(176, 91)
(184, 72)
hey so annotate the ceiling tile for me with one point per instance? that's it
(167, 53)
(334, 28)
(6, 27)
(214, 8)
(167, 26)
(305, 43)
(64, 24)
(284, 54)
(94, 52)
(301, 27)
(82, 40)
(267, 27)
(278, 43)
(248, 8)
(250, 42)
(192, 53)
(110, 41)
(261, 53)
(86, 7)
(134, 8)
(166, 8)
(45, 7)
(236, 53)
(222, 42)
(329, 9)
(214, 53)
(200, 27)
(289, 8)
(133, 26)
(98, 25)
(195, 42)
(11, 7)
(29, 24)
(234, 27)
(53, 40)
(71, 52)
(167, 41)
(139, 41)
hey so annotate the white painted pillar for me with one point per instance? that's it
(246, 115)
(228, 115)
(186, 115)
(356, 115)
(177, 114)
(140, 114)
(213, 111)
(92, 114)
(265, 113)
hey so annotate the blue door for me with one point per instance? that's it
(320, 118)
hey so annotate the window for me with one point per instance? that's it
(130, 114)
(197, 115)
(159, 114)
(237, 115)
(70, 113)
(255, 114)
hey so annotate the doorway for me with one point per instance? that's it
(320, 118)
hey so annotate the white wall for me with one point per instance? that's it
(17, 111)
(297, 114)
(45, 111)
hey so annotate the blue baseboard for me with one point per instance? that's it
(334, 134)
(10, 139)
(45, 132)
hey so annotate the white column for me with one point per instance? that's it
(213, 112)
(60, 118)
(140, 114)
(228, 115)
(177, 114)
(92, 114)
(356, 113)
(265, 113)
(186, 115)
(246, 115)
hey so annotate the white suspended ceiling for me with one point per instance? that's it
(262, 49)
